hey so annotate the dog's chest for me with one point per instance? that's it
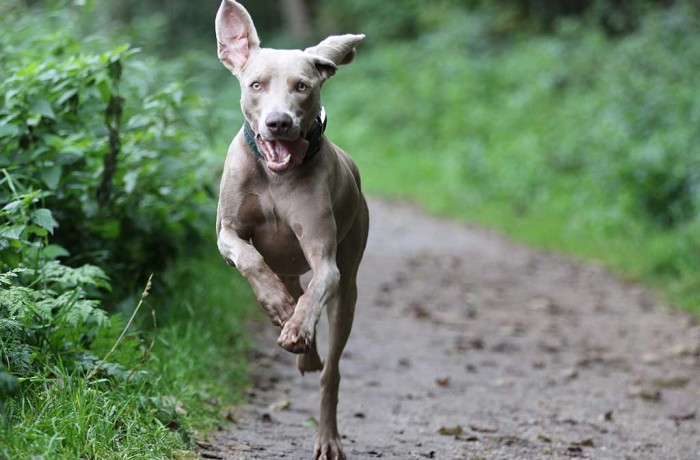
(268, 231)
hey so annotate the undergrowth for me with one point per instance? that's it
(162, 387)
(572, 141)
(103, 180)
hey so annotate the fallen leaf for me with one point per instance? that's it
(670, 382)
(678, 418)
(281, 405)
(213, 401)
(483, 429)
(211, 456)
(450, 431)
(232, 414)
(469, 438)
(569, 374)
(310, 422)
(651, 358)
(546, 305)
(588, 442)
(646, 394)
(419, 311)
(503, 383)
(465, 344)
(180, 409)
(443, 382)
(504, 347)
(204, 445)
(681, 349)
(549, 346)
(238, 446)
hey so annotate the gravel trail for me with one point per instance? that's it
(468, 346)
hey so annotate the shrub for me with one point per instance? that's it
(100, 175)
(117, 150)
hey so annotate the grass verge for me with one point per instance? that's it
(573, 141)
(195, 370)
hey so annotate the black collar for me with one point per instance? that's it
(314, 136)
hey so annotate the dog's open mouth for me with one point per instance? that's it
(281, 155)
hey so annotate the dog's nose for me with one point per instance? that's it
(278, 122)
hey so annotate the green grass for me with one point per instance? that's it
(572, 142)
(194, 373)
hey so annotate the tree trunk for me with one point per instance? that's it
(297, 17)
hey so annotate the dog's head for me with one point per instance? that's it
(280, 89)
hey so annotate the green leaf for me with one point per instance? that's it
(36, 230)
(66, 95)
(103, 88)
(8, 383)
(7, 130)
(42, 107)
(13, 232)
(53, 251)
(12, 206)
(51, 176)
(44, 219)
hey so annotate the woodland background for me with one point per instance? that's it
(570, 125)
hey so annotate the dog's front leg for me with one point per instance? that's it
(319, 246)
(268, 288)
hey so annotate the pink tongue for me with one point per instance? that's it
(280, 155)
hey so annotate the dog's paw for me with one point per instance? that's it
(309, 362)
(280, 308)
(328, 448)
(297, 336)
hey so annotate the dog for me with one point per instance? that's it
(291, 202)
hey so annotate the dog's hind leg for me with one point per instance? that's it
(340, 313)
(340, 317)
(309, 361)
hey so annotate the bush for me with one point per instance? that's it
(575, 141)
(103, 179)
(100, 175)
(116, 153)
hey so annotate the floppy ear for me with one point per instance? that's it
(325, 67)
(338, 49)
(236, 36)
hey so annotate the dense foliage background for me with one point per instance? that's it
(573, 125)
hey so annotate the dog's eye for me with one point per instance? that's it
(256, 86)
(301, 87)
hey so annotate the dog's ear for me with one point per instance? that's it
(338, 49)
(325, 67)
(236, 36)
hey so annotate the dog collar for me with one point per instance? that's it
(314, 136)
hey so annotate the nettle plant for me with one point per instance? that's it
(118, 151)
(99, 166)
(46, 309)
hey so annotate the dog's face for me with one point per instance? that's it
(280, 89)
(280, 97)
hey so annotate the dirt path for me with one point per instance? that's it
(467, 346)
